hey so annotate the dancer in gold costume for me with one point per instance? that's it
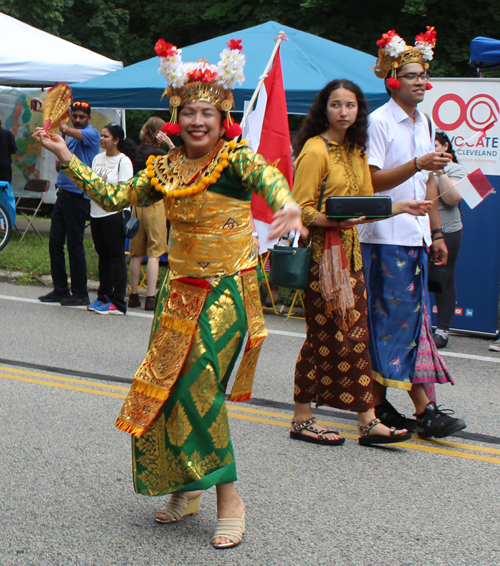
(175, 409)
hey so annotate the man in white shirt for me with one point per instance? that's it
(401, 155)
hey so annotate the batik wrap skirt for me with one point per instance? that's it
(333, 367)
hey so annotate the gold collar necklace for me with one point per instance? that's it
(192, 170)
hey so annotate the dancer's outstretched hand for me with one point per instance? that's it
(287, 219)
(54, 143)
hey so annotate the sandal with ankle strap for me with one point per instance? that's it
(367, 440)
(296, 434)
(178, 507)
(231, 528)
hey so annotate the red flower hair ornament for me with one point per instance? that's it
(164, 49)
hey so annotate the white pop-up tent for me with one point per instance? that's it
(29, 56)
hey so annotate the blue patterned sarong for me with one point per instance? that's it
(401, 346)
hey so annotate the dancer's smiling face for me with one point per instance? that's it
(201, 127)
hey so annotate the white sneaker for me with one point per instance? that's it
(495, 347)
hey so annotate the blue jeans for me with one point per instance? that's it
(68, 227)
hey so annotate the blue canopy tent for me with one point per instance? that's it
(308, 63)
(484, 50)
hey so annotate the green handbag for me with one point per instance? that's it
(290, 267)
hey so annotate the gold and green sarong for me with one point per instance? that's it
(189, 448)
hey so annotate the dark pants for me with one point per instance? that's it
(447, 300)
(68, 227)
(109, 242)
(6, 173)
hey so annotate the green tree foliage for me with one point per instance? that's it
(128, 29)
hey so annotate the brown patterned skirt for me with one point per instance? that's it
(334, 367)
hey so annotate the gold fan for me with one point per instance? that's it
(55, 107)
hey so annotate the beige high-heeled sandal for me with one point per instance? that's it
(231, 528)
(178, 507)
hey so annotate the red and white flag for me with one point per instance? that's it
(474, 188)
(267, 132)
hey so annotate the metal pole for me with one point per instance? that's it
(249, 107)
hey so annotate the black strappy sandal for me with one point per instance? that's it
(296, 434)
(367, 440)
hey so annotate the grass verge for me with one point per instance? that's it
(31, 257)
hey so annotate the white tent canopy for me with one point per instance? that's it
(29, 56)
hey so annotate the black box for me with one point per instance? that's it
(354, 207)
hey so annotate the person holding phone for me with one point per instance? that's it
(70, 214)
(401, 156)
(334, 367)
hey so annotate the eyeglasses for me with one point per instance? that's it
(82, 104)
(412, 77)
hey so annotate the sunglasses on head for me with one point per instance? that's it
(82, 104)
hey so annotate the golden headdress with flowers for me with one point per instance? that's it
(201, 81)
(394, 53)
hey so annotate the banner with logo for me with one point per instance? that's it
(461, 107)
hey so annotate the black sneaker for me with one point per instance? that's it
(389, 416)
(75, 301)
(54, 297)
(438, 423)
(440, 340)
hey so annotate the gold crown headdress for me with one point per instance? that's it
(201, 81)
(394, 53)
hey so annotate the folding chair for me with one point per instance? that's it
(41, 187)
(298, 296)
(263, 260)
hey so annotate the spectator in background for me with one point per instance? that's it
(107, 227)
(7, 148)
(70, 213)
(449, 213)
(151, 239)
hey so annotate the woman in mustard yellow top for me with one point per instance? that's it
(333, 367)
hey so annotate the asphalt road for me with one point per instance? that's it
(65, 472)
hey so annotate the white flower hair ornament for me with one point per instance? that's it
(201, 80)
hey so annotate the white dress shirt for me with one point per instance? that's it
(394, 140)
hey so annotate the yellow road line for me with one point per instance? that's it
(401, 444)
(66, 379)
(343, 426)
(62, 385)
(273, 422)
(287, 417)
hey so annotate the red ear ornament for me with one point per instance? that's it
(171, 129)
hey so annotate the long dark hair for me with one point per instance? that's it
(125, 145)
(315, 123)
(443, 139)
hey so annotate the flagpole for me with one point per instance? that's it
(279, 39)
(454, 185)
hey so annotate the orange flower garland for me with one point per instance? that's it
(194, 189)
